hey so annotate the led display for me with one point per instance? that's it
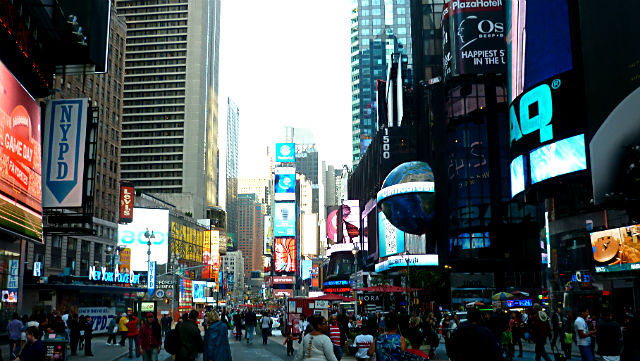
(284, 220)
(562, 157)
(132, 236)
(332, 224)
(285, 152)
(198, 291)
(390, 238)
(517, 175)
(285, 254)
(351, 221)
(616, 249)
(285, 187)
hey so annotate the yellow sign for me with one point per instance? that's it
(125, 260)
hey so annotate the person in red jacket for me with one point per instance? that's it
(132, 335)
(150, 338)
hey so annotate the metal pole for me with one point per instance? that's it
(408, 292)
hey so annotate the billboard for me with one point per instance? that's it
(267, 242)
(390, 238)
(309, 234)
(350, 211)
(284, 219)
(127, 194)
(473, 38)
(125, 260)
(198, 291)
(285, 186)
(305, 268)
(285, 254)
(285, 152)
(206, 256)
(65, 131)
(616, 249)
(132, 236)
(332, 224)
(20, 162)
(215, 251)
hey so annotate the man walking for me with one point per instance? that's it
(191, 343)
(584, 335)
(150, 338)
(337, 336)
(122, 328)
(250, 321)
(14, 328)
(609, 338)
(541, 331)
(265, 327)
(556, 324)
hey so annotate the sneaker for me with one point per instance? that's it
(107, 343)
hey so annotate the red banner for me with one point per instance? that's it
(126, 202)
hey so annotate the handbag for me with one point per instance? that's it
(568, 338)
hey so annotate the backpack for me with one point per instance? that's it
(171, 341)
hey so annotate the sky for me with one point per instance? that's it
(286, 63)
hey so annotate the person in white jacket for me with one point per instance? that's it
(316, 346)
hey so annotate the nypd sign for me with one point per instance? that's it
(64, 148)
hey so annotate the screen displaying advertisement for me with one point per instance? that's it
(309, 234)
(473, 38)
(20, 159)
(285, 152)
(306, 265)
(65, 132)
(517, 175)
(127, 194)
(285, 187)
(206, 256)
(538, 42)
(132, 236)
(267, 243)
(562, 157)
(284, 219)
(390, 238)
(198, 291)
(332, 224)
(616, 249)
(215, 251)
(285, 255)
(350, 212)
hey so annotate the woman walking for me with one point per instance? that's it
(132, 335)
(216, 339)
(389, 345)
(112, 331)
(316, 346)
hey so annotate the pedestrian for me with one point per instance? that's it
(190, 340)
(556, 325)
(432, 334)
(609, 337)
(583, 333)
(81, 323)
(569, 335)
(237, 323)
(150, 338)
(289, 341)
(540, 331)
(88, 336)
(112, 331)
(414, 353)
(33, 349)
(164, 322)
(216, 339)
(389, 345)
(122, 328)
(362, 343)
(250, 322)
(74, 333)
(447, 327)
(474, 341)
(337, 336)
(316, 346)
(517, 329)
(265, 326)
(132, 336)
(507, 343)
(14, 329)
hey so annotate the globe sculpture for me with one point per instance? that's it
(407, 197)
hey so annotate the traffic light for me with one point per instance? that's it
(167, 301)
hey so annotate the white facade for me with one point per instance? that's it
(234, 262)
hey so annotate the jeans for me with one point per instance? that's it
(14, 349)
(337, 350)
(151, 355)
(251, 330)
(586, 352)
(540, 351)
(123, 337)
(134, 340)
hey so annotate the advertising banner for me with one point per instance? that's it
(132, 236)
(198, 291)
(350, 221)
(473, 38)
(390, 238)
(206, 255)
(127, 194)
(12, 280)
(215, 251)
(285, 187)
(20, 159)
(65, 132)
(151, 278)
(616, 249)
(285, 152)
(309, 234)
(125, 260)
(285, 255)
(332, 224)
(100, 316)
(267, 244)
(284, 221)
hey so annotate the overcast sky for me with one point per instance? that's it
(286, 63)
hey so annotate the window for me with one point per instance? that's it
(375, 12)
(97, 253)
(402, 31)
(85, 251)
(71, 254)
(401, 11)
(56, 251)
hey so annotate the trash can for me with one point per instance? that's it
(55, 349)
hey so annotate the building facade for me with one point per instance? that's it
(233, 263)
(250, 231)
(232, 165)
(170, 113)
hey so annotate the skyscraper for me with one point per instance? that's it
(250, 232)
(379, 28)
(170, 113)
(233, 137)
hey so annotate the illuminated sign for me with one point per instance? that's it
(126, 202)
(267, 243)
(403, 188)
(284, 219)
(340, 247)
(133, 236)
(64, 149)
(285, 255)
(282, 280)
(616, 249)
(332, 225)
(285, 152)
(151, 278)
(412, 260)
(101, 274)
(390, 238)
(335, 283)
(285, 187)
(350, 210)
(37, 269)
(519, 303)
(198, 291)
(336, 289)
(20, 170)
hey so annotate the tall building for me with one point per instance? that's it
(233, 264)
(379, 28)
(170, 113)
(332, 185)
(250, 232)
(260, 187)
(232, 165)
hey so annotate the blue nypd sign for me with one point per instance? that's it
(64, 150)
(151, 278)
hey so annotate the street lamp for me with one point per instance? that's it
(149, 237)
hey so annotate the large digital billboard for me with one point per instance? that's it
(20, 162)
(473, 38)
(332, 223)
(390, 238)
(198, 291)
(562, 157)
(132, 236)
(284, 219)
(267, 243)
(285, 184)
(350, 217)
(285, 152)
(285, 252)
(616, 249)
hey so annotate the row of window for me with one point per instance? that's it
(138, 78)
(157, 24)
(152, 122)
(154, 110)
(157, 70)
(151, 87)
(155, 54)
(155, 101)
(154, 166)
(162, 62)
(149, 150)
(154, 142)
(154, 158)
(156, 33)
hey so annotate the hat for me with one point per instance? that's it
(149, 314)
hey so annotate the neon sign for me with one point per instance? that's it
(101, 274)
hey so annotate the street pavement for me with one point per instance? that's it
(273, 351)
